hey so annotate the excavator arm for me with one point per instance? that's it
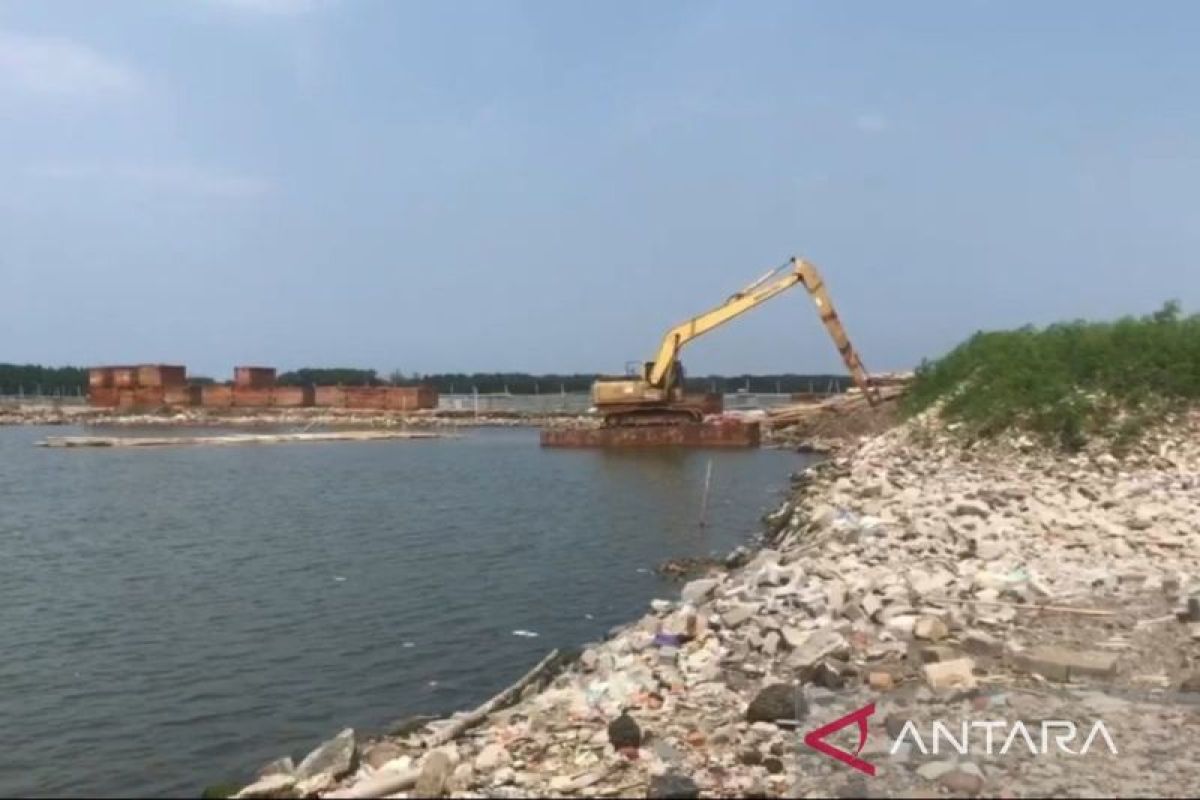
(777, 281)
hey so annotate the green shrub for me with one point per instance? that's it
(1067, 381)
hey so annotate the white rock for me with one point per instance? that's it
(698, 591)
(270, 786)
(491, 757)
(933, 770)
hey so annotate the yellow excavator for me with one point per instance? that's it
(657, 396)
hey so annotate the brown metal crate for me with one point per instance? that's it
(292, 396)
(254, 377)
(148, 398)
(161, 375)
(216, 396)
(247, 397)
(100, 378)
(401, 398)
(366, 397)
(181, 396)
(329, 396)
(411, 398)
(102, 396)
(124, 377)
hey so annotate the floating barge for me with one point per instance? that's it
(730, 433)
(234, 438)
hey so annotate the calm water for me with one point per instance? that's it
(172, 618)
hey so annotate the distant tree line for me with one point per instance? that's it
(72, 380)
(552, 383)
(31, 378)
(330, 376)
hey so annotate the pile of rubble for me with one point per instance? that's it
(989, 590)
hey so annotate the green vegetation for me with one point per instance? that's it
(1069, 381)
(330, 376)
(35, 379)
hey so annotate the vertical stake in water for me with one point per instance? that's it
(704, 498)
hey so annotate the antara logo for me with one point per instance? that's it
(1065, 733)
(816, 739)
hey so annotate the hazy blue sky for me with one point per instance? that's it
(548, 186)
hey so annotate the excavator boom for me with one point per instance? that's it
(658, 391)
(795, 271)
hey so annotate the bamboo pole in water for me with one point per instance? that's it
(704, 499)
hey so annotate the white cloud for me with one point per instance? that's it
(870, 122)
(180, 178)
(278, 7)
(54, 66)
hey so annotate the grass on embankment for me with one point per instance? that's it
(1069, 381)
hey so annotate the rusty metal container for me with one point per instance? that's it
(149, 398)
(725, 433)
(254, 377)
(329, 396)
(181, 396)
(427, 397)
(102, 396)
(216, 396)
(408, 398)
(248, 397)
(161, 375)
(100, 378)
(372, 397)
(126, 401)
(124, 377)
(292, 396)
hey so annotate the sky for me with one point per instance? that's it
(548, 186)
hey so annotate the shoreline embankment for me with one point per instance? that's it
(912, 579)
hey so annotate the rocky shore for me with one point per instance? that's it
(912, 579)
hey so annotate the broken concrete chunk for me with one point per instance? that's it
(335, 758)
(779, 701)
(269, 786)
(981, 643)
(971, 508)
(436, 769)
(933, 770)
(818, 645)
(930, 628)
(735, 616)
(956, 674)
(881, 681)
(491, 757)
(673, 786)
(698, 591)
(1062, 664)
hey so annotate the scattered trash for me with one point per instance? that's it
(526, 634)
